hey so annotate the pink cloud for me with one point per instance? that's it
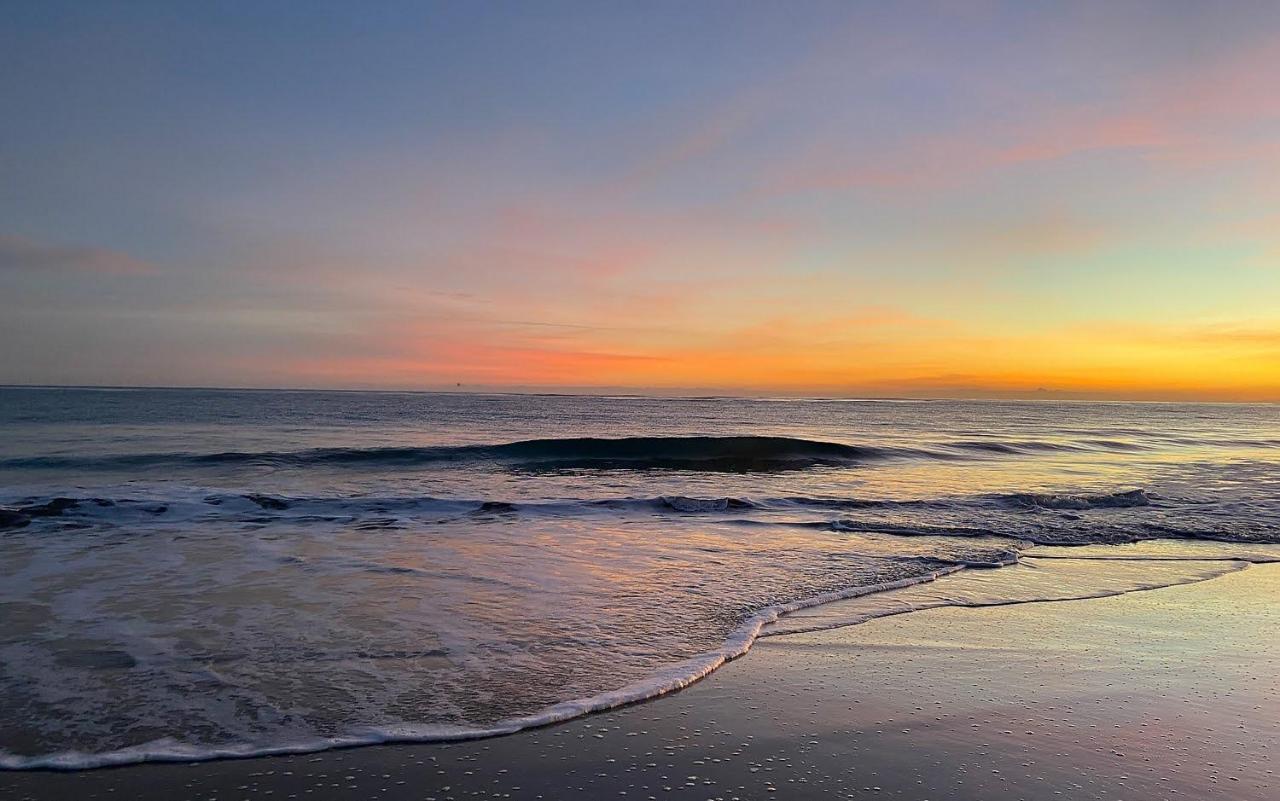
(1187, 120)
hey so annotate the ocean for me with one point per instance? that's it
(190, 574)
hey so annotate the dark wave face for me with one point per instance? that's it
(193, 574)
(731, 454)
(720, 454)
(696, 453)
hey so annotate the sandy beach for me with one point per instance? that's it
(1169, 693)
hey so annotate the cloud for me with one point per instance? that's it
(1190, 121)
(1241, 337)
(19, 254)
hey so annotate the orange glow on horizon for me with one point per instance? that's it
(877, 358)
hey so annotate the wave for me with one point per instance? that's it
(700, 453)
(734, 454)
(1121, 576)
(913, 529)
(258, 507)
(1016, 447)
(705, 453)
(194, 502)
(1115, 500)
(995, 446)
(662, 682)
(666, 680)
(1223, 442)
(1066, 518)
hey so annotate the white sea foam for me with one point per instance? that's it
(1041, 575)
(666, 680)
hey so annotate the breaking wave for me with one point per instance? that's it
(741, 453)
(1114, 500)
(840, 608)
(1069, 518)
(695, 453)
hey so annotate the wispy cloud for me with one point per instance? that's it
(1179, 120)
(24, 255)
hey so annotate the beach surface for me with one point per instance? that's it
(1167, 693)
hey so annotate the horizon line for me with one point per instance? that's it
(675, 393)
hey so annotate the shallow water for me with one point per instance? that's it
(193, 573)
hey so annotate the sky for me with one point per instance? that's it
(975, 199)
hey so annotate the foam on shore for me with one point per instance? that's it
(1042, 575)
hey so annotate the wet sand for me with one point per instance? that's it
(1171, 693)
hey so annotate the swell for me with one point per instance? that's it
(705, 453)
(741, 453)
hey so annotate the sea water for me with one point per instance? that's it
(189, 574)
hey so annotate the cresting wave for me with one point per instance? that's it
(22, 513)
(733, 453)
(699, 453)
(1113, 500)
(667, 680)
(1041, 518)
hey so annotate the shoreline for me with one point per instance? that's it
(670, 679)
(754, 684)
(866, 602)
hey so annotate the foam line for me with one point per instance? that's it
(1234, 565)
(667, 680)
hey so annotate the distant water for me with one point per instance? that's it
(189, 573)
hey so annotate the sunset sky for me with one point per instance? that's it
(944, 199)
